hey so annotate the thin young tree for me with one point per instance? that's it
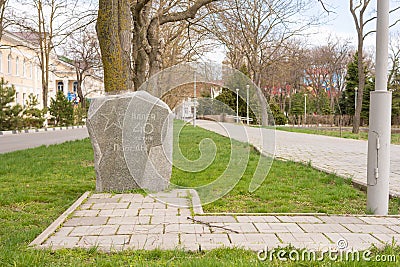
(358, 11)
(84, 52)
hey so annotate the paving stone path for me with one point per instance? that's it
(133, 221)
(344, 157)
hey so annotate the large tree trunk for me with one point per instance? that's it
(139, 44)
(155, 43)
(118, 38)
(114, 34)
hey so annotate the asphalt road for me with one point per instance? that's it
(13, 142)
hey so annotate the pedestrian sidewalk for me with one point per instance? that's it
(344, 157)
(168, 220)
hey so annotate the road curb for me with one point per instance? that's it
(41, 130)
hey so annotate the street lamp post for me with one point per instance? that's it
(237, 105)
(378, 170)
(247, 103)
(305, 109)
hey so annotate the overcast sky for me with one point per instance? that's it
(340, 24)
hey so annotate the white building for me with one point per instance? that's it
(19, 66)
(185, 110)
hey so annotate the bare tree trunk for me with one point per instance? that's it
(43, 57)
(359, 23)
(79, 78)
(361, 85)
(146, 38)
(3, 4)
(113, 31)
(155, 60)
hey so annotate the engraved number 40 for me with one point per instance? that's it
(147, 128)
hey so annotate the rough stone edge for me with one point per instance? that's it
(196, 203)
(38, 241)
(3, 133)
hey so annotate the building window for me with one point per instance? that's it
(17, 66)
(75, 87)
(31, 70)
(60, 86)
(24, 68)
(23, 99)
(16, 98)
(9, 64)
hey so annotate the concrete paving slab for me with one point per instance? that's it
(304, 240)
(340, 219)
(257, 219)
(234, 227)
(278, 228)
(368, 228)
(299, 219)
(356, 241)
(323, 228)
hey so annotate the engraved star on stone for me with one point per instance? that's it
(113, 119)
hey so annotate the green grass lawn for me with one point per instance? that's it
(345, 133)
(38, 185)
(289, 187)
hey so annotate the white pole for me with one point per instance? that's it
(194, 100)
(378, 170)
(305, 109)
(237, 105)
(247, 102)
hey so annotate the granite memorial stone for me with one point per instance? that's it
(131, 135)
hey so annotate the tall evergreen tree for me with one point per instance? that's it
(62, 110)
(228, 97)
(9, 114)
(33, 117)
(348, 96)
(347, 102)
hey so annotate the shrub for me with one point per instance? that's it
(62, 110)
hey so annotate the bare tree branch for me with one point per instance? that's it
(325, 7)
